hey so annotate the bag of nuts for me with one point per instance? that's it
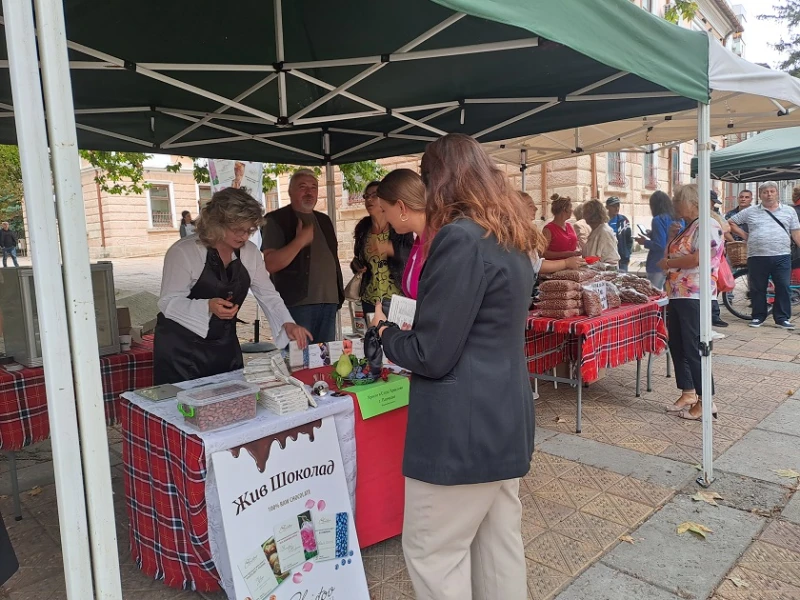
(592, 303)
(559, 285)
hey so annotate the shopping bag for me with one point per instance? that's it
(725, 280)
(353, 290)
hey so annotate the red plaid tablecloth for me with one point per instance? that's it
(165, 482)
(614, 338)
(23, 400)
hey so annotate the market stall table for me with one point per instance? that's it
(175, 526)
(616, 337)
(23, 400)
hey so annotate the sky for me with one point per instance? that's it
(759, 34)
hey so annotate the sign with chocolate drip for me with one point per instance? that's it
(286, 515)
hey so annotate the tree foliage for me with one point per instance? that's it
(119, 173)
(681, 10)
(788, 14)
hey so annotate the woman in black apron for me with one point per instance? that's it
(206, 279)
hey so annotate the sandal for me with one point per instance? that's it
(676, 408)
(685, 414)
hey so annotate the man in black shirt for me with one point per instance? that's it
(8, 242)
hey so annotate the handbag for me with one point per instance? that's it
(725, 281)
(352, 292)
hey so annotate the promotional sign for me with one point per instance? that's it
(600, 288)
(238, 174)
(287, 517)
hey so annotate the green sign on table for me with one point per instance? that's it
(382, 396)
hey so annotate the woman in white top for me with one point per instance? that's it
(206, 278)
(601, 242)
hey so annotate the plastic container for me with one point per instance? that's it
(218, 405)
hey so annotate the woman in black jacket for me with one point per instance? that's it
(470, 413)
(380, 253)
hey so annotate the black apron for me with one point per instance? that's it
(8, 560)
(180, 354)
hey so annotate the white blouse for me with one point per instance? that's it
(183, 264)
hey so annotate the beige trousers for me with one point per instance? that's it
(464, 542)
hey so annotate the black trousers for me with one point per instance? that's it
(8, 560)
(683, 324)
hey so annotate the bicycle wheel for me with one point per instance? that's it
(738, 301)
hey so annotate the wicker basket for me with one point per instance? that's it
(737, 253)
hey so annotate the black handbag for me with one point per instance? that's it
(373, 351)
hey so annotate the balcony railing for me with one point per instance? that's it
(162, 219)
(616, 170)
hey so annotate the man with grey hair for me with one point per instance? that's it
(301, 255)
(8, 242)
(771, 229)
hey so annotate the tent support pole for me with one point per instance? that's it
(704, 190)
(35, 162)
(523, 164)
(79, 297)
(330, 188)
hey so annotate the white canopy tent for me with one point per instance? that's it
(744, 97)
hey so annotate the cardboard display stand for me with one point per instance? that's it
(287, 518)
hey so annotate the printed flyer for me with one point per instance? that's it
(287, 517)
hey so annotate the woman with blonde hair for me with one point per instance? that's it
(562, 241)
(206, 278)
(402, 196)
(470, 414)
(682, 265)
(601, 242)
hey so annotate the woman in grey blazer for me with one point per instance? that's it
(470, 419)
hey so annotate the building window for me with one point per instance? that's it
(616, 169)
(647, 5)
(159, 197)
(676, 168)
(203, 196)
(651, 169)
(271, 200)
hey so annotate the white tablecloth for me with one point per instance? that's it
(265, 423)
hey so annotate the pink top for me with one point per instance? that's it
(413, 268)
(562, 240)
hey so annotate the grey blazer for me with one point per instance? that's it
(470, 414)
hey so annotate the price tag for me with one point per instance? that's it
(600, 288)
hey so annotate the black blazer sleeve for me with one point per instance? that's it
(452, 287)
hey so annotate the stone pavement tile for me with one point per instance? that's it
(759, 454)
(745, 494)
(772, 561)
(641, 466)
(543, 581)
(45, 586)
(685, 564)
(791, 511)
(785, 419)
(754, 586)
(601, 583)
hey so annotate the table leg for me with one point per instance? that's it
(669, 364)
(638, 377)
(555, 383)
(578, 423)
(12, 465)
(649, 372)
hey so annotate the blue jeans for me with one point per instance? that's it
(759, 270)
(12, 252)
(623, 264)
(319, 319)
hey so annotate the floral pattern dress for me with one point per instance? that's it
(382, 286)
(685, 283)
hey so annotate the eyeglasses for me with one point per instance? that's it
(242, 231)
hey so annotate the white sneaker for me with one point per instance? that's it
(756, 323)
(788, 325)
(716, 335)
